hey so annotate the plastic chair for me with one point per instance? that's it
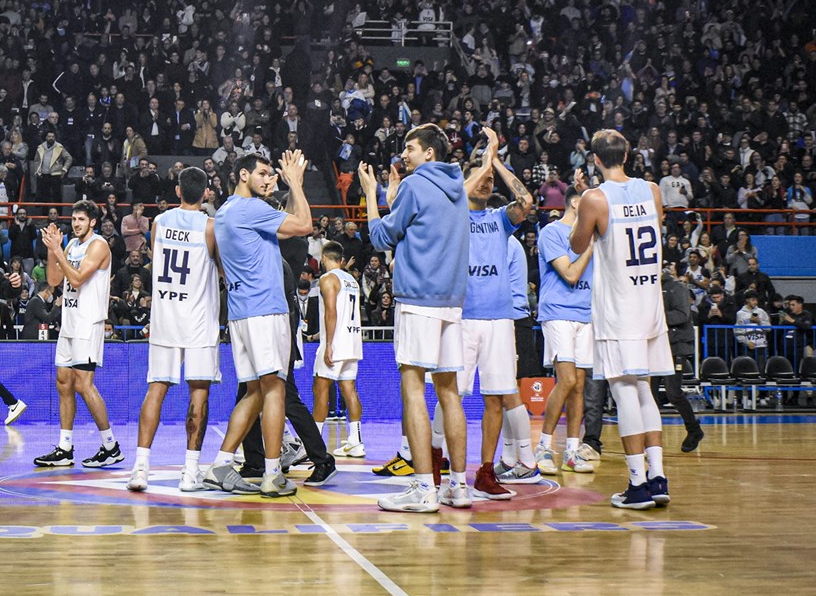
(779, 370)
(807, 369)
(714, 373)
(745, 371)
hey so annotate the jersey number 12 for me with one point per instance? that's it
(641, 240)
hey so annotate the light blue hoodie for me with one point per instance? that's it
(428, 230)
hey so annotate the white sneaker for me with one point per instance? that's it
(15, 411)
(588, 452)
(545, 458)
(349, 450)
(191, 481)
(455, 495)
(413, 499)
(292, 454)
(573, 462)
(138, 479)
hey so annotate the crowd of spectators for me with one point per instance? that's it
(716, 98)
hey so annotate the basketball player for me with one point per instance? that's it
(631, 342)
(247, 231)
(341, 346)
(565, 316)
(84, 267)
(487, 324)
(428, 226)
(184, 325)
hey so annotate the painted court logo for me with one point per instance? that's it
(355, 488)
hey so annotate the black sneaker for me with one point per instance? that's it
(104, 457)
(693, 438)
(58, 457)
(322, 474)
(251, 473)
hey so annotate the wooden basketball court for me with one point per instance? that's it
(741, 521)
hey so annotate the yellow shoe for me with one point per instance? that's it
(398, 466)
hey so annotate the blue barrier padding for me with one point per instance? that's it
(29, 373)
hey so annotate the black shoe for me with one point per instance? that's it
(693, 437)
(57, 458)
(104, 457)
(251, 473)
(322, 474)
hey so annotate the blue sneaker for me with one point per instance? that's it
(634, 497)
(659, 489)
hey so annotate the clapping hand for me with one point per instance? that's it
(52, 238)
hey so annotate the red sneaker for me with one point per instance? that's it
(487, 487)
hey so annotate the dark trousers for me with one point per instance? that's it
(49, 190)
(6, 396)
(675, 395)
(594, 397)
(301, 419)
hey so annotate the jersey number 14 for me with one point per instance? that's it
(171, 263)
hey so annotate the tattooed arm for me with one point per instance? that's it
(518, 209)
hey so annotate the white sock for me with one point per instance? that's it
(272, 467)
(520, 424)
(637, 469)
(142, 458)
(572, 443)
(191, 459)
(320, 427)
(509, 454)
(425, 481)
(107, 439)
(437, 427)
(66, 440)
(224, 458)
(545, 440)
(655, 457)
(405, 449)
(508, 440)
(287, 434)
(457, 478)
(355, 434)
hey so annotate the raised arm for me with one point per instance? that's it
(518, 209)
(299, 220)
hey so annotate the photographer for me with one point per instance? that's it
(22, 234)
(42, 309)
(106, 183)
(797, 341)
(718, 309)
(85, 186)
(752, 342)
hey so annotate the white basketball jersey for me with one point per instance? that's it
(627, 297)
(185, 283)
(347, 343)
(83, 307)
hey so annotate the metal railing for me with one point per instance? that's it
(385, 32)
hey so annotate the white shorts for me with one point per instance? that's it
(490, 346)
(341, 370)
(638, 357)
(426, 342)
(200, 364)
(261, 346)
(73, 351)
(568, 341)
